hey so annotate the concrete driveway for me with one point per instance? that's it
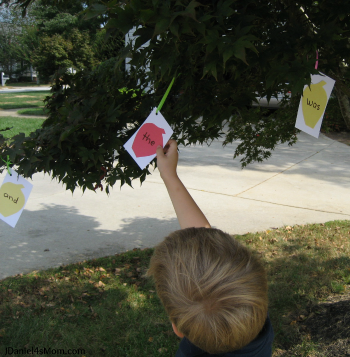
(306, 183)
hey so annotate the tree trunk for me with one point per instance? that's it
(344, 104)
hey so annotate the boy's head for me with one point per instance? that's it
(212, 287)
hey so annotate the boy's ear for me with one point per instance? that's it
(176, 331)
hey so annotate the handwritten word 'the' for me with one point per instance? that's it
(147, 138)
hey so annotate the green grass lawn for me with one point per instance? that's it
(20, 100)
(108, 308)
(33, 111)
(19, 125)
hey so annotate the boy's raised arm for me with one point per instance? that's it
(186, 209)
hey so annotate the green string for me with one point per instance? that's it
(8, 163)
(165, 95)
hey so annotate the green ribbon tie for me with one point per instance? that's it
(8, 163)
(165, 96)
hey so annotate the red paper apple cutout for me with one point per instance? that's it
(147, 140)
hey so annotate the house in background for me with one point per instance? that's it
(19, 74)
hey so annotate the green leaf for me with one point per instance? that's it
(190, 10)
(210, 67)
(240, 53)
(240, 32)
(94, 11)
(146, 15)
(142, 178)
(224, 8)
(144, 34)
(205, 17)
(228, 54)
(34, 159)
(123, 54)
(210, 47)
(174, 28)
(124, 21)
(161, 26)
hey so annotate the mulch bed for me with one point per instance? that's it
(342, 137)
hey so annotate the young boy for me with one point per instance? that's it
(213, 289)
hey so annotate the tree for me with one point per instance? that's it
(13, 47)
(59, 51)
(223, 54)
(65, 40)
(8, 51)
(53, 37)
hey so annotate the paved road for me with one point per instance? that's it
(22, 89)
(306, 183)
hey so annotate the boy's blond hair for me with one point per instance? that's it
(212, 287)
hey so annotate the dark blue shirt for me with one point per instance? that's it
(260, 347)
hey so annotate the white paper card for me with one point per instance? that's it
(14, 193)
(154, 131)
(313, 104)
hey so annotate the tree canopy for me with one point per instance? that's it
(13, 46)
(224, 54)
(50, 37)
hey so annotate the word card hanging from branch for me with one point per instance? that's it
(14, 194)
(313, 104)
(142, 146)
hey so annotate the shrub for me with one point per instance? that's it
(333, 120)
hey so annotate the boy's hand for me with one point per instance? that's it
(167, 159)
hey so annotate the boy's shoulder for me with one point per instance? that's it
(260, 347)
